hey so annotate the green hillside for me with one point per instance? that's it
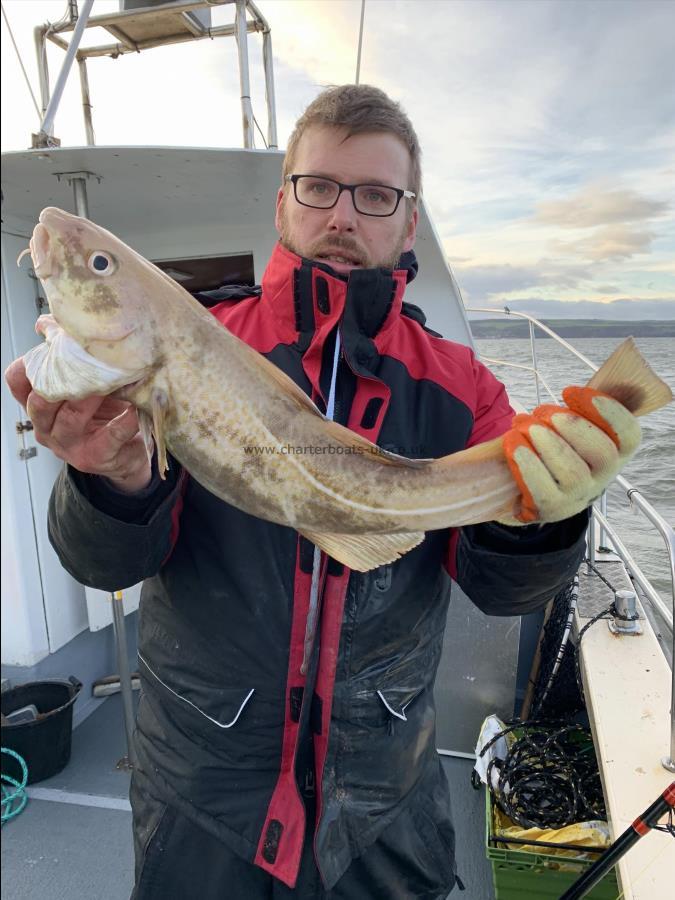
(573, 328)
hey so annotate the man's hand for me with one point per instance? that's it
(97, 435)
(563, 457)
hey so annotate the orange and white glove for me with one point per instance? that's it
(563, 457)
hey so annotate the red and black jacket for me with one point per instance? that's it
(222, 623)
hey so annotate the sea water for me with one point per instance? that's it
(652, 470)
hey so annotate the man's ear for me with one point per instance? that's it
(411, 231)
(277, 215)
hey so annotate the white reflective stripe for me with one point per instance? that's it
(398, 715)
(56, 795)
(330, 406)
(200, 711)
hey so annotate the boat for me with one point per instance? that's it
(205, 216)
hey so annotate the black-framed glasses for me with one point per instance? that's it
(368, 199)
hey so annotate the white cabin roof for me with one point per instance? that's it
(169, 202)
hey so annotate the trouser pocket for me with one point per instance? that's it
(152, 821)
(178, 860)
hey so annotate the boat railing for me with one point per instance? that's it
(599, 517)
(142, 27)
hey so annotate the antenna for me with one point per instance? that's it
(358, 55)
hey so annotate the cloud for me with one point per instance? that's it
(613, 242)
(569, 140)
(607, 289)
(458, 260)
(480, 281)
(596, 205)
(485, 281)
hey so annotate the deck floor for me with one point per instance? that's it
(73, 839)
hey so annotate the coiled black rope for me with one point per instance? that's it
(549, 778)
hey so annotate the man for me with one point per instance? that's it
(271, 765)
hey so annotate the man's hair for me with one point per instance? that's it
(359, 108)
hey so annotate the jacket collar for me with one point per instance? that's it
(304, 296)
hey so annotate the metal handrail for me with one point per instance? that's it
(668, 762)
(509, 312)
(634, 497)
(538, 376)
(620, 549)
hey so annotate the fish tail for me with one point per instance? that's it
(627, 377)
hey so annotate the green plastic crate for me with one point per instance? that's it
(523, 875)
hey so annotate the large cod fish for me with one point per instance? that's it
(120, 325)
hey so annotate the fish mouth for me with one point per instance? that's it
(40, 251)
(40, 243)
(53, 212)
(48, 325)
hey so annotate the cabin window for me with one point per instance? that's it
(206, 273)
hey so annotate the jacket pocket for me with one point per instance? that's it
(219, 706)
(396, 700)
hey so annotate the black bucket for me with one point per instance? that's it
(45, 742)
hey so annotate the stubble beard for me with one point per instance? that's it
(316, 248)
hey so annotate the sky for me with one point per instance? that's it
(547, 126)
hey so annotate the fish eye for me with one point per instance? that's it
(101, 263)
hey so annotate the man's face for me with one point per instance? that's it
(356, 240)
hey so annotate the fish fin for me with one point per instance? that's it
(627, 377)
(363, 552)
(160, 404)
(145, 424)
(337, 433)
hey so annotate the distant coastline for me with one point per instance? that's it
(573, 328)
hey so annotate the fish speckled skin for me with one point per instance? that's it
(352, 491)
(229, 416)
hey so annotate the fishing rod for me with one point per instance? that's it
(644, 823)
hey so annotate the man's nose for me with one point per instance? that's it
(343, 216)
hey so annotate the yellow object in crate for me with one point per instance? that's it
(581, 834)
